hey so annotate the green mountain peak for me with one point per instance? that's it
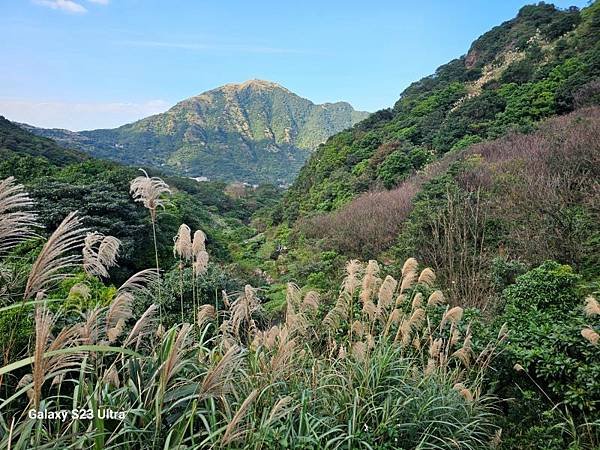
(255, 131)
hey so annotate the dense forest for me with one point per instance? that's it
(429, 281)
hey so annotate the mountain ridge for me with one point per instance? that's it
(255, 131)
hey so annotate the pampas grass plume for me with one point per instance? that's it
(149, 191)
(591, 336)
(182, 247)
(436, 298)
(592, 307)
(427, 277)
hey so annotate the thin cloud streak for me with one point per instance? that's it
(63, 5)
(212, 47)
(69, 6)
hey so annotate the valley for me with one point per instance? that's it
(250, 269)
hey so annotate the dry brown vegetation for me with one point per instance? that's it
(370, 223)
(540, 182)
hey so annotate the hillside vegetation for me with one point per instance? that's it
(470, 171)
(385, 363)
(61, 180)
(543, 62)
(14, 141)
(524, 197)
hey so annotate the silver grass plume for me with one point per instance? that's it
(358, 329)
(205, 314)
(242, 310)
(386, 293)
(118, 313)
(590, 335)
(219, 379)
(311, 300)
(183, 243)
(452, 315)
(199, 242)
(175, 356)
(100, 253)
(89, 329)
(427, 277)
(15, 224)
(139, 283)
(108, 252)
(56, 258)
(142, 327)
(436, 298)
(351, 282)
(200, 263)
(43, 365)
(417, 301)
(150, 192)
(294, 317)
(410, 265)
(409, 274)
(234, 431)
(370, 281)
(120, 310)
(592, 307)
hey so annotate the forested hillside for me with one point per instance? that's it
(384, 188)
(17, 142)
(544, 62)
(470, 171)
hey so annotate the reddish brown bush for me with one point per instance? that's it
(541, 183)
(370, 223)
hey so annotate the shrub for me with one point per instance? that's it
(543, 312)
(553, 365)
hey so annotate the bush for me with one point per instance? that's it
(543, 312)
(556, 368)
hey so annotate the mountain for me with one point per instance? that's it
(544, 62)
(256, 131)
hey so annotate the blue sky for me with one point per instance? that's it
(83, 64)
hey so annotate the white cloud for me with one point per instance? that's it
(69, 5)
(63, 5)
(78, 116)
